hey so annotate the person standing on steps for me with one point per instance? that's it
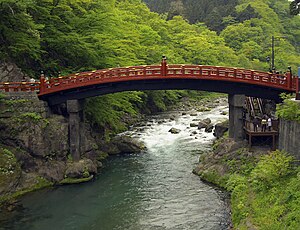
(264, 124)
(255, 123)
(269, 124)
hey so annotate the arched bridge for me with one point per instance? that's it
(234, 81)
(154, 77)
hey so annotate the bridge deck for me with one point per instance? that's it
(229, 80)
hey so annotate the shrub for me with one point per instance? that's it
(271, 169)
(289, 109)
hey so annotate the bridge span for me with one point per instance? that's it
(155, 77)
(236, 82)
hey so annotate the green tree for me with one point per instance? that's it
(19, 34)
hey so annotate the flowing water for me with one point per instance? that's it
(153, 190)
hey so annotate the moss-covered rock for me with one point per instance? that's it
(10, 171)
(76, 180)
(81, 169)
(229, 156)
(122, 145)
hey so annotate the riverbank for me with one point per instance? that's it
(264, 184)
(138, 191)
(34, 145)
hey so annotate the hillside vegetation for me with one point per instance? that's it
(77, 35)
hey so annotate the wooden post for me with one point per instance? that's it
(289, 80)
(6, 87)
(297, 85)
(42, 83)
(164, 66)
(297, 88)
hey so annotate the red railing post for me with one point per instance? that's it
(164, 66)
(42, 83)
(6, 87)
(297, 88)
(289, 79)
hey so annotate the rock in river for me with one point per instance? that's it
(174, 131)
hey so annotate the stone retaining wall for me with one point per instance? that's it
(289, 137)
(24, 102)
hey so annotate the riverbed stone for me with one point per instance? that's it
(193, 125)
(209, 128)
(221, 128)
(122, 144)
(204, 123)
(174, 130)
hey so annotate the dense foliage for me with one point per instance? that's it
(75, 35)
(266, 196)
(289, 109)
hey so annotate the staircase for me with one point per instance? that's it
(254, 106)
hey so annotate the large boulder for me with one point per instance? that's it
(81, 169)
(221, 128)
(209, 128)
(9, 72)
(51, 170)
(204, 123)
(122, 144)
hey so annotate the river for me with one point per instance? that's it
(153, 190)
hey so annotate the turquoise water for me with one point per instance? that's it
(153, 190)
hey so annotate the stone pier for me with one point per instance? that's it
(236, 123)
(76, 129)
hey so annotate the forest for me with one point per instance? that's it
(65, 36)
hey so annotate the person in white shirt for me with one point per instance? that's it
(269, 124)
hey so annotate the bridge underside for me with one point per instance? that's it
(164, 84)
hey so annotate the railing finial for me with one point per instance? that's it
(42, 82)
(164, 66)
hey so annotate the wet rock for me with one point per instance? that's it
(204, 123)
(51, 170)
(193, 125)
(81, 169)
(221, 128)
(183, 113)
(196, 119)
(123, 144)
(209, 128)
(224, 113)
(174, 131)
(203, 109)
(193, 114)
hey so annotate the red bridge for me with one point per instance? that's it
(154, 77)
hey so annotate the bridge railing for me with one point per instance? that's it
(233, 74)
(19, 86)
(100, 76)
(184, 71)
(282, 81)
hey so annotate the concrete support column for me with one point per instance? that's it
(236, 123)
(75, 111)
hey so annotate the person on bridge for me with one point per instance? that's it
(255, 123)
(264, 124)
(269, 124)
